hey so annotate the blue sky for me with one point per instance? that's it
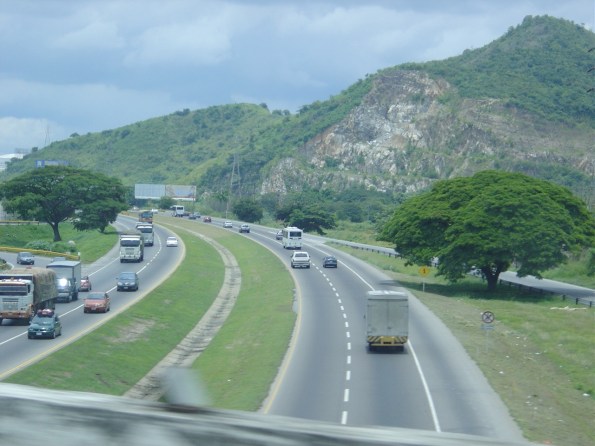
(90, 65)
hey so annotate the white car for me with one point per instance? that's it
(171, 242)
(228, 224)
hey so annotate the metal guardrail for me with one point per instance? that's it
(588, 300)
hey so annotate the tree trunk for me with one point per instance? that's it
(492, 280)
(57, 236)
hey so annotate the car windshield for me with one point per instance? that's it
(127, 276)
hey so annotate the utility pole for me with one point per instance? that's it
(235, 166)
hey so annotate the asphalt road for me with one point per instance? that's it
(328, 373)
(17, 352)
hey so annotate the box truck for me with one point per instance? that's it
(24, 291)
(68, 278)
(387, 319)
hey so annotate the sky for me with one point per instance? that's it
(80, 66)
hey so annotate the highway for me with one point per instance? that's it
(17, 352)
(328, 374)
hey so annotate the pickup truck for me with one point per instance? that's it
(300, 259)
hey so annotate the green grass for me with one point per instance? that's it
(91, 244)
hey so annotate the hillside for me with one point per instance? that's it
(517, 104)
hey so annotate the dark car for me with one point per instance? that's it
(329, 262)
(127, 281)
(97, 302)
(194, 216)
(207, 219)
(85, 284)
(45, 324)
(25, 258)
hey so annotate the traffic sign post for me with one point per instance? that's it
(424, 271)
(487, 319)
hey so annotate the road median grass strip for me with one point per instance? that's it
(120, 352)
(240, 363)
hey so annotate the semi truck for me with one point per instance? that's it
(24, 291)
(68, 278)
(132, 247)
(387, 319)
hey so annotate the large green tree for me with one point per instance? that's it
(491, 220)
(54, 194)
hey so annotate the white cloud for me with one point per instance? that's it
(91, 65)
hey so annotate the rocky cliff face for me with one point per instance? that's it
(411, 130)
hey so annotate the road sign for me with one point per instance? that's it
(424, 270)
(487, 317)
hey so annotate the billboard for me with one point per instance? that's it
(156, 191)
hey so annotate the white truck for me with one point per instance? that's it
(24, 291)
(132, 247)
(146, 229)
(68, 278)
(387, 319)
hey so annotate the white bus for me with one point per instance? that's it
(292, 238)
(178, 210)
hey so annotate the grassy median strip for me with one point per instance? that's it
(244, 357)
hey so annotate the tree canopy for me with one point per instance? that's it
(491, 220)
(54, 194)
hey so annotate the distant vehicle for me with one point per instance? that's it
(178, 210)
(97, 302)
(279, 235)
(68, 278)
(127, 281)
(227, 224)
(300, 259)
(387, 319)
(291, 237)
(329, 262)
(146, 230)
(25, 258)
(26, 290)
(206, 219)
(85, 284)
(155, 211)
(45, 324)
(145, 216)
(245, 228)
(171, 242)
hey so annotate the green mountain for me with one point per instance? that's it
(520, 103)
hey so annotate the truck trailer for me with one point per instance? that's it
(387, 319)
(68, 278)
(24, 291)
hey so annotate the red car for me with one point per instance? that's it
(207, 219)
(97, 302)
(85, 284)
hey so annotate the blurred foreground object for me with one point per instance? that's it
(34, 416)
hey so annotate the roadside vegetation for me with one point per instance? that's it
(539, 357)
